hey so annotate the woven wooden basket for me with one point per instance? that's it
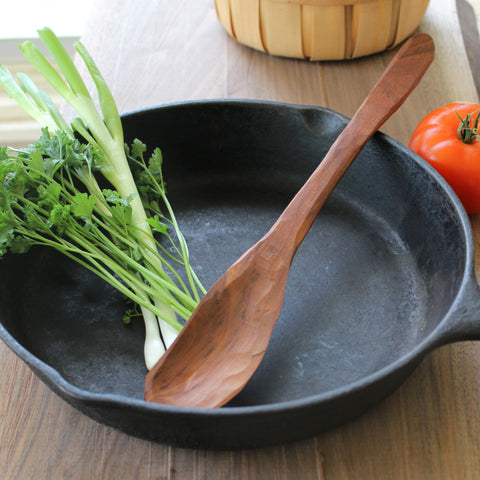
(320, 29)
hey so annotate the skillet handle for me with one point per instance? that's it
(463, 321)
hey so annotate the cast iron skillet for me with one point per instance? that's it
(384, 276)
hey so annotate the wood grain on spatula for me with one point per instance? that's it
(225, 339)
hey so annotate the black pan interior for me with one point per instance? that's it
(375, 275)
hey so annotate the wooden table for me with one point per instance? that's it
(158, 51)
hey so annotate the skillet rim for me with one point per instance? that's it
(56, 382)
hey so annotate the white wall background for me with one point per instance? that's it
(20, 20)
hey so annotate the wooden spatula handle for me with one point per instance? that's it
(396, 83)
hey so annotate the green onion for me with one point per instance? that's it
(50, 195)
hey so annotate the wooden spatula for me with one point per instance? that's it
(224, 341)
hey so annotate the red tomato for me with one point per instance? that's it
(447, 139)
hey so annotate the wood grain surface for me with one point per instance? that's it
(158, 51)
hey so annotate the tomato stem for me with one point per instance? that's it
(468, 133)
